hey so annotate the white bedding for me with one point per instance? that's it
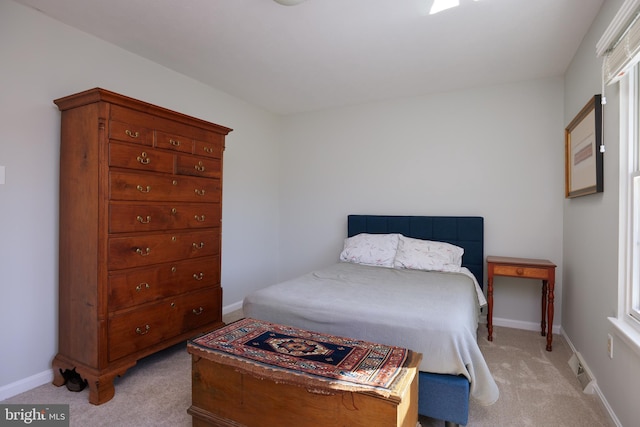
(434, 313)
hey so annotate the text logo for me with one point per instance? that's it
(34, 415)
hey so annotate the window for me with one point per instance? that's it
(619, 47)
(629, 161)
(628, 319)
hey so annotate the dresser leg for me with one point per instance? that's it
(101, 388)
(58, 379)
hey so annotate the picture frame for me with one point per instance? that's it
(583, 151)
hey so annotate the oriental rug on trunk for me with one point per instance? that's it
(316, 361)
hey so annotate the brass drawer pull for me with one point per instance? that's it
(199, 192)
(132, 134)
(198, 311)
(200, 218)
(208, 150)
(146, 252)
(142, 286)
(174, 142)
(143, 189)
(199, 167)
(174, 211)
(142, 220)
(198, 246)
(141, 332)
(198, 276)
(143, 158)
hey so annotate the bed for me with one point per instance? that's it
(433, 312)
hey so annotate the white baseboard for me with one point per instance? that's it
(594, 384)
(232, 307)
(25, 384)
(519, 324)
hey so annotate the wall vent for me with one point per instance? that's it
(582, 373)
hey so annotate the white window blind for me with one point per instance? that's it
(620, 43)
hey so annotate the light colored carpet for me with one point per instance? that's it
(537, 388)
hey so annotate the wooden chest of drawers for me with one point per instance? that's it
(140, 234)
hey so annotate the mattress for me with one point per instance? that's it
(433, 313)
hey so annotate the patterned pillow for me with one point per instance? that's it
(370, 249)
(419, 254)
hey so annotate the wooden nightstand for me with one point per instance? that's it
(529, 269)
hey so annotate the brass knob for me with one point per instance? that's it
(143, 332)
(143, 158)
(145, 252)
(142, 220)
(141, 286)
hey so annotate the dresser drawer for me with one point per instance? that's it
(125, 217)
(168, 141)
(198, 166)
(153, 323)
(141, 158)
(148, 249)
(128, 288)
(520, 271)
(152, 187)
(132, 133)
(213, 148)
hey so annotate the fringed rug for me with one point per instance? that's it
(314, 360)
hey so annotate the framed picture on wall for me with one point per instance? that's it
(583, 156)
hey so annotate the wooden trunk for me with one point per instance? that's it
(227, 397)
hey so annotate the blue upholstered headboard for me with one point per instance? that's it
(464, 231)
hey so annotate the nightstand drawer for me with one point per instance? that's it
(520, 271)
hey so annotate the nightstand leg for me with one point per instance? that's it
(490, 307)
(550, 298)
(543, 323)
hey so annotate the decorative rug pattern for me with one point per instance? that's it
(296, 352)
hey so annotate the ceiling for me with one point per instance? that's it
(329, 53)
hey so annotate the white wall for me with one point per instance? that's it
(590, 237)
(289, 182)
(496, 152)
(43, 60)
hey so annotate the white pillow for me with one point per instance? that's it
(419, 254)
(370, 249)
